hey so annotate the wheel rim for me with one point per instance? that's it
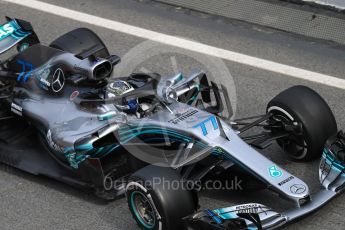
(143, 209)
(295, 145)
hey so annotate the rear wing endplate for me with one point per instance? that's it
(14, 32)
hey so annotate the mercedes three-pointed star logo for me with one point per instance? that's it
(58, 80)
(298, 188)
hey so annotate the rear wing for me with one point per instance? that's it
(14, 32)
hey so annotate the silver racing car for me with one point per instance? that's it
(63, 115)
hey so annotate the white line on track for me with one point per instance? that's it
(183, 43)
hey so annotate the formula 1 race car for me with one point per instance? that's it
(62, 116)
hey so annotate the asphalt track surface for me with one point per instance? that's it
(30, 202)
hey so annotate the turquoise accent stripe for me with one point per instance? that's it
(129, 137)
(126, 135)
(227, 215)
(127, 129)
(84, 147)
(332, 161)
(134, 132)
(214, 217)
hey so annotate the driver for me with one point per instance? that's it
(118, 88)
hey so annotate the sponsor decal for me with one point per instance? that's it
(52, 144)
(45, 82)
(275, 172)
(42, 74)
(286, 180)
(58, 81)
(251, 208)
(74, 95)
(183, 116)
(298, 189)
(6, 30)
(16, 109)
(10, 34)
(202, 125)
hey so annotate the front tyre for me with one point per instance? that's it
(303, 107)
(155, 203)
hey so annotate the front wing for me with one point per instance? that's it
(258, 216)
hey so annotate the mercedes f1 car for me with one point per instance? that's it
(63, 116)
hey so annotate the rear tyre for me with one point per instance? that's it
(80, 40)
(155, 203)
(303, 105)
